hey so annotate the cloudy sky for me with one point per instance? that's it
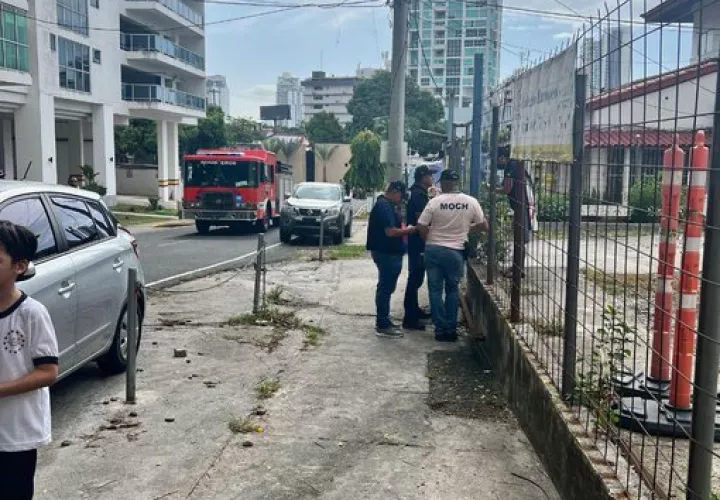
(251, 53)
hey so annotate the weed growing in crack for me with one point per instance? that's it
(267, 388)
(243, 425)
(551, 328)
(275, 296)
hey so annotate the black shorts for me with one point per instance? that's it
(17, 474)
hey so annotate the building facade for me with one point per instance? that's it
(218, 93)
(73, 69)
(329, 94)
(289, 91)
(444, 37)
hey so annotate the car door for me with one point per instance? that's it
(100, 269)
(54, 283)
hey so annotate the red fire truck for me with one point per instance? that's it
(232, 187)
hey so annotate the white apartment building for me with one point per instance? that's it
(328, 93)
(73, 69)
(289, 92)
(218, 93)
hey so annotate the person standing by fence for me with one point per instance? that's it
(512, 186)
(416, 248)
(445, 225)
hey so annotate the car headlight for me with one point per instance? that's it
(333, 211)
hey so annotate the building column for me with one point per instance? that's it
(626, 177)
(76, 147)
(8, 149)
(104, 150)
(173, 155)
(35, 126)
(163, 157)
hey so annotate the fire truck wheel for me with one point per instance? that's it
(202, 227)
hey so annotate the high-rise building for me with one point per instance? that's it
(73, 69)
(218, 93)
(618, 69)
(444, 37)
(328, 93)
(289, 91)
(590, 64)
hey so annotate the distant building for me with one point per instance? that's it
(366, 72)
(218, 94)
(328, 93)
(289, 91)
(619, 57)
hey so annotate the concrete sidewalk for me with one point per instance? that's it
(353, 416)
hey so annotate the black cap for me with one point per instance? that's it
(422, 171)
(449, 175)
(396, 187)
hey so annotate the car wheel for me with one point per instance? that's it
(348, 229)
(202, 227)
(285, 236)
(115, 360)
(338, 237)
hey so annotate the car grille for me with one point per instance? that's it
(310, 212)
(217, 201)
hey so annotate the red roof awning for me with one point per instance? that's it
(602, 138)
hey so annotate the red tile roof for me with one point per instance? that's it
(600, 138)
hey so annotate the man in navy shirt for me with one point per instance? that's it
(416, 248)
(385, 241)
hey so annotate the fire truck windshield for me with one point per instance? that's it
(219, 173)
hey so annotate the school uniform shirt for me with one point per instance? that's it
(27, 340)
(449, 217)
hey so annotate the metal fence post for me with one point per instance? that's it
(258, 271)
(572, 278)
(322, 235)
(519, 223)
(132, 340)
(707, 357)
(492, 195)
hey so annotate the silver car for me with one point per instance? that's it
(311, 203)
(79, 272)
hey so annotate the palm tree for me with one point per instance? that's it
(325, 152)
(286, 148)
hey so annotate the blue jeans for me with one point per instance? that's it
(445, 268)
(389, 268)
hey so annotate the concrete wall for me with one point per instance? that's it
(336, 165)
(569, 456)
(137, 180)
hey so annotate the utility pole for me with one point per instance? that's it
(396, 125)
(478, 96)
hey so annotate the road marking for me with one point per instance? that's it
(205, 269)
(172, 243)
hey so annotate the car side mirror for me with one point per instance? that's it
(347, 199)
(29, 274)
(287, 196)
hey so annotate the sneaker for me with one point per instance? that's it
(446, 336)
(422, 314)
(391, 332)
(413, 325)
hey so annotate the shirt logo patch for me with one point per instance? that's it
(14, 342)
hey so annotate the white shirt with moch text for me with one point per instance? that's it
(449, 217)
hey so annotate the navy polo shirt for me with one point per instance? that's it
(382, 217)
(415, 206)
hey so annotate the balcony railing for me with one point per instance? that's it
(141, 92)
(155, 43)
(182, 9)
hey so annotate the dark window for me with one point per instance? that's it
(75, 221)
(53, 42)
(95, 3)
(102, 221)
(74, 62)
(73, 15)
(30, 212)
(96, 56)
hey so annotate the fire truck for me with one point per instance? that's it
(232, 187)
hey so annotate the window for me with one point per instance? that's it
(95, 3)
(74, 65)
(75, 221)
(454, 48)
(96, 56)
(318, 106)
(102, 221)
(73, 15)
(30, 212)
(53, 43)
(14, 51)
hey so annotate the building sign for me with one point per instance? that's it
(543, 105)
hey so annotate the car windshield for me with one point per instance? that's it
(316, 192)
(221, 174)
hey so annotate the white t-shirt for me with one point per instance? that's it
(449, 217)
(27, 339)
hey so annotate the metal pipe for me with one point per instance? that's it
(258, 271)
(322, 235)
(132, 339)
(492, 195)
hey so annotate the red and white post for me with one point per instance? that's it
(685, 329)
(673, 161)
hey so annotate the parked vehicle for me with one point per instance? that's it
(311, 203)
(80, 270)
(232, 187)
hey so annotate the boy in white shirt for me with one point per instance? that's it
(445, 225)
(28, 366)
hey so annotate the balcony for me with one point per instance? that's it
(167, 14)
(151, 52)
(156, 99)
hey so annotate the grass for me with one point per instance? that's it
(347, 252)
(275, 296)
(145, 210)
(282, 322)
(313, 335)
(267, 388)
(136, 220)
(243, 425)
(619, 283)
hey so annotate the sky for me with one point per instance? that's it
(252, 53)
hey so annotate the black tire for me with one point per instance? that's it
(338, 237)
(348, 228)
(202, 227)
(115, 360)
(285, 236)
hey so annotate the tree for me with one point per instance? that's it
(366, 172)
(210, 132)
(283, 148)
(370, 107)
(243, 131)
(136, 141)
(325, 152)
(324, 127)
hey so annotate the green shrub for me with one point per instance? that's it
(645, 200)
(553, 207)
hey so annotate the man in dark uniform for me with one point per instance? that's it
(416, 248)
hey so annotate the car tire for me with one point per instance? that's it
(115, 360)
(285, 236)
(202, 227)
(348, 228)
(338, 237)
